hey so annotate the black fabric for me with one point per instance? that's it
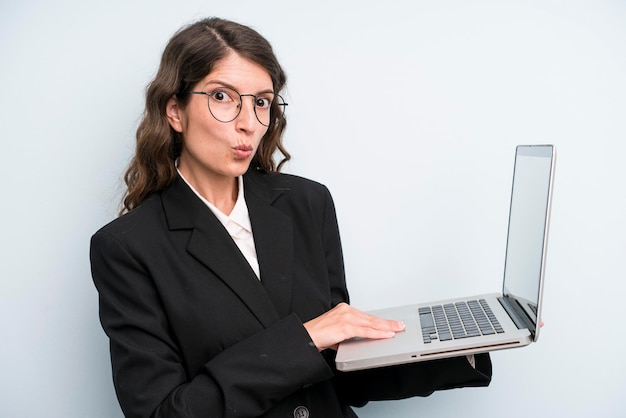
(194, 333)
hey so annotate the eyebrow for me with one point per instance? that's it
(230, 86)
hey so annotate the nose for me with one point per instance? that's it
(247, 119)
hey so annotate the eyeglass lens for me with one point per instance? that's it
(225, 105)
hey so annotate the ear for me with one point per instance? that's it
(174, 114)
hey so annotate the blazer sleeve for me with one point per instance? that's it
(414, 379)
(333, 252)
(245, 379)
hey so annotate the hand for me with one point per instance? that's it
(344, 322)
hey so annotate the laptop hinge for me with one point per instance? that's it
(517, 314)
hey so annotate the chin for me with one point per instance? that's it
(240, 168)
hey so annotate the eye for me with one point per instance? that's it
(222, 95)
(263, 102)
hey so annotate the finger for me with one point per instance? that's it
(359, 324)
(386, 324)
(344, 322)
(363, 319)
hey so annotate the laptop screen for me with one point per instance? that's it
(528, 226)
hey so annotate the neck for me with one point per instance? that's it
(221, 192)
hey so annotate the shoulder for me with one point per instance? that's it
(294, 196)
(281, 182)
(133, 223)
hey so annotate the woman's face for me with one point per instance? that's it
(213, 150)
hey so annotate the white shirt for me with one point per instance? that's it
(237, 224)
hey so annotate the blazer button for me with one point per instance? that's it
(301, 412)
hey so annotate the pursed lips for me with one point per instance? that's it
(243, 151)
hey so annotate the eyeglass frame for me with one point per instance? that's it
(240, 106)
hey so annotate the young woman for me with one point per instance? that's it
(222, 286)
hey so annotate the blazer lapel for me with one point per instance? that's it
(211, 244)
(273, 236)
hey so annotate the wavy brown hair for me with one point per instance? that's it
(189, 57)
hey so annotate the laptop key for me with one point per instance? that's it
(458, 320)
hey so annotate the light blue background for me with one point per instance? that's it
(409, 111)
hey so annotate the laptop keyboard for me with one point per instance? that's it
(453, 321)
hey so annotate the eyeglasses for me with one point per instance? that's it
(225, 105)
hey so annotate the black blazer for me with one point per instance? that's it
(194, 333)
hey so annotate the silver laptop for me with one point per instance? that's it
(485, 322)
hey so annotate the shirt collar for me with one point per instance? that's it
(240, 214)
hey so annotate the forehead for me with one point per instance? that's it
(241, 73)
